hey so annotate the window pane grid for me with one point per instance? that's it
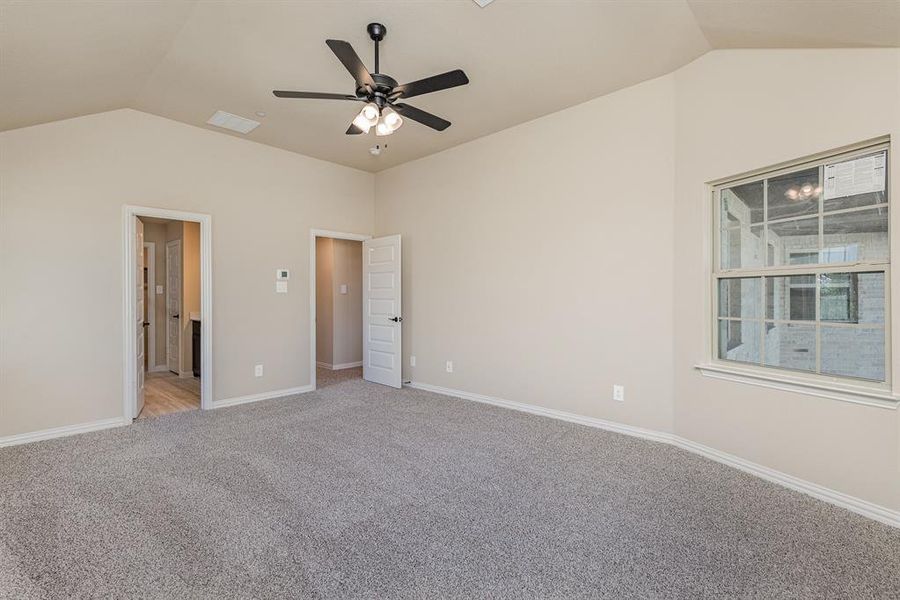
(750, 332)
(786, 303)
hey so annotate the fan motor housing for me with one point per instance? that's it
(384, 84)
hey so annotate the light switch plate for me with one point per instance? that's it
(159, 290)
(343, 288)
(412, 361)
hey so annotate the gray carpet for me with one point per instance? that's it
(361, 491)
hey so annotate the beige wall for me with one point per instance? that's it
(190, 290)
(324, 300)
(347, 307)
(77, 174)
(556, 258)
(539, 259)
(741, 110)
(338, 316)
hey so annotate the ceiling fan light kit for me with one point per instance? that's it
(367, 117)
(381, 92)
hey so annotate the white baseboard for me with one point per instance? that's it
(352, 365)
(647, 434)
(820, 492)
(339, 366)
(57, 432)
(261, 396)
(857, 505)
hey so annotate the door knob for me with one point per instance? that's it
(395, 319)
(174, 316)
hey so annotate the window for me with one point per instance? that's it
(801, 268)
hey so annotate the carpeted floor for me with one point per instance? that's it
(362, 491)
(327, 378)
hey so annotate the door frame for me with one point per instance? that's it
(151, 305)
(313, 234)
(129, 214)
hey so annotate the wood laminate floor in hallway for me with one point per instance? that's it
(166, 393)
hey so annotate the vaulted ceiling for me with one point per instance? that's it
(184, 60)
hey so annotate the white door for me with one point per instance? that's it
(173, 304)
(382, 314)
(139, 316)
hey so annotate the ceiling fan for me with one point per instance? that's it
(381, 93)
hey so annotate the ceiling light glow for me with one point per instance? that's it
(370, 113)
(382, 128)
(362, 123)
(391, 118)
(803, 192)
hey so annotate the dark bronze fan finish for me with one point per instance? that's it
(383, 89)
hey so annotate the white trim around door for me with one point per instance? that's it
(129, 215)
(313, 234)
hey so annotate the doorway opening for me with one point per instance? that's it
(338, 302)
(371, 328)
(167, 312)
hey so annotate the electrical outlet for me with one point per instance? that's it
(412, 361)
(449, 366)
(258, 370)
(619, 393)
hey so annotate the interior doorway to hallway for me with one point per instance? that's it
(172, 335)
(339, 310)
(168, 307)
(379, 302)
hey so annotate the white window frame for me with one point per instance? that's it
(829, 386)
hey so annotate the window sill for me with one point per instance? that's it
(869, 396)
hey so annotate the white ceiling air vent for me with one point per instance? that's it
(483, 3)
(233, 122)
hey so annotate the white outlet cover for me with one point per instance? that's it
(281, 287)
(412, 361)
(619, 393)
(449, 366)
(258, 370)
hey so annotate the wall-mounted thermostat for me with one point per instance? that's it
(282, 274)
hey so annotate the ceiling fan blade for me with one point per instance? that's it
(432, 84)
(316, 95)
(354, 130)
(350, 59)
(425, 118)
